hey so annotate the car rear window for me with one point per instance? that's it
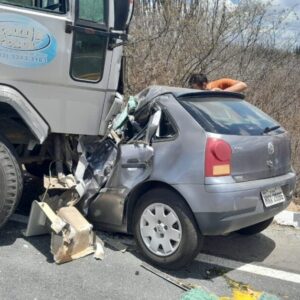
(228, 116)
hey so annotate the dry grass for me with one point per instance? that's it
(170, 40)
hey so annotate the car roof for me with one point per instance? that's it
(154, 91)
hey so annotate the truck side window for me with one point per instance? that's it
(88, 57)
(90, 42)
(57, 6)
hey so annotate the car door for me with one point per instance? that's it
(134, 165)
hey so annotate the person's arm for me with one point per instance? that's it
(227, 84)
(238, 87)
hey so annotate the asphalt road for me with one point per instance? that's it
(268, 262)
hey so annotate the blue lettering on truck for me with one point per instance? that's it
(24, 42)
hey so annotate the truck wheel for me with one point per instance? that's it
(257, 228)
(11, 181)
(165, 229)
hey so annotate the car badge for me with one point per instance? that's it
(271, 149)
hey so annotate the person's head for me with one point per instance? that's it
(198, 81)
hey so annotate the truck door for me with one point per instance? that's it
(55, 52)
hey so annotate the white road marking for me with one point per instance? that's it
(249, 268)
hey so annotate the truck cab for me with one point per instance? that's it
(60, 67)
(60, 57)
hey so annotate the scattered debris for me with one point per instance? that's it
(183, 285)
(215, 272)
(114, 243)
(56, 183)
(118, 242)
(240, 291)
(199, 294)
(288, 218)
(72, 236)
(99, 251)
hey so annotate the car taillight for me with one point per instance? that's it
(217, 158)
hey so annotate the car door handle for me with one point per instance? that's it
(134, 164)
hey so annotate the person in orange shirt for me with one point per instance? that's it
(200, 81)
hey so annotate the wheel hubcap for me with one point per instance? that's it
(160, 229)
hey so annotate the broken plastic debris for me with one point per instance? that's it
(121, 119)
(72, 235)
(99, 253)
(200, 294)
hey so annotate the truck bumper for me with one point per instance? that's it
(224, 208)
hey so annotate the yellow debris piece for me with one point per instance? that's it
(243, 295)
(241, 291)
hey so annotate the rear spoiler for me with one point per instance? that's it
(211, 94)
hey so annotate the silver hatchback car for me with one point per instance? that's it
(194, 164)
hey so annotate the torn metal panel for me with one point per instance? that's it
(40, 213)
(57, 184)
(76, 240)
(72, 235)
(108, 207)
(37, 221)
(122, 118)
(94, 168)
(133, 166)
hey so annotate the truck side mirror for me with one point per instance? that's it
(153, 125)
(123, 14)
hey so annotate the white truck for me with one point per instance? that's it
(60, 71)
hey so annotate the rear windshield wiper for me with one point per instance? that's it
(269, 129)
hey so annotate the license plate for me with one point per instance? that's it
(273, 196)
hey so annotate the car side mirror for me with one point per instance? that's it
(153, 125)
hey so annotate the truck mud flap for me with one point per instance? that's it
(72, 236)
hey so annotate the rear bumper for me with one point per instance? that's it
(224, 208)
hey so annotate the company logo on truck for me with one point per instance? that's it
(24, 42)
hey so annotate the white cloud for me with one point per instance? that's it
(291, 22)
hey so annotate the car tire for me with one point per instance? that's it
(11, 181)
(257, 228)
(176, 222)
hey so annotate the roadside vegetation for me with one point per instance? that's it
(170, 39)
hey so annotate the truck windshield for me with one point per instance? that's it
(228, 116)
(92, 11)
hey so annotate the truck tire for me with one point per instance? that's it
(165, 230)
(257, 228)
(11, 181)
